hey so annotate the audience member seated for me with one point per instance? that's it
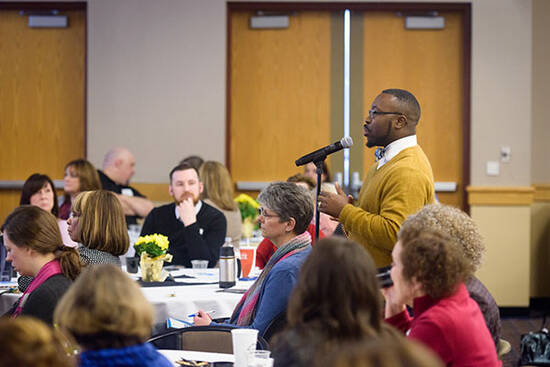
(109, 317)
(97, 223)
(302, 180)
(34, 248)
(311, 171)
(285, 214)
(465, 233)
(429, 272)
(386, 351)
(80, 175)
(26, 342)
(118, 168)
(336, 301)
(266, 248)
(194, 161)
(196, 230)
(218, 192)
(38, 190)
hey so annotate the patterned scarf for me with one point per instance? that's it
(249, 302)
(48, 270)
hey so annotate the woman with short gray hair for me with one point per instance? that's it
(285, 214)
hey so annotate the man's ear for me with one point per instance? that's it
(401, 122)
(201, 187)
(170, 191)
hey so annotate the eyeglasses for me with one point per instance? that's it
(373, 113)
(263, 213)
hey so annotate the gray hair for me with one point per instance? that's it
(289, 200)
(454, 223)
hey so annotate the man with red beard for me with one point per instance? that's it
(195, 229)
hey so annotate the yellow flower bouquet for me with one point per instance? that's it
(153, 252)
(249, 213)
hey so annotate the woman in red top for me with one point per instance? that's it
(428, 272)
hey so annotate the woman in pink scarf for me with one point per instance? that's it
(34, 247)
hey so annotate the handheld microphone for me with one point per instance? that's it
(321, 154)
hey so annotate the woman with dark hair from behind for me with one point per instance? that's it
(38, 190)
(337, 301)
(26, 342)
(218, 191)
(34, 248)
(386, 351)
(97, 222)
(80, 175)
(109, 317)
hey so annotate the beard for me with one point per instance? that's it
(186, 195)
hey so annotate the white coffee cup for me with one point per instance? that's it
(243, 341)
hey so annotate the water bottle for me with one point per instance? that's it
(227, 264)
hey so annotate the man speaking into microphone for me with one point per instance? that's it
(398, 184)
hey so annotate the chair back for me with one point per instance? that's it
(275, 326)
(214, 339)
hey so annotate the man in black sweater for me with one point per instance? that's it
(195, 229)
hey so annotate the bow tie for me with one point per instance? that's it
(379, 153)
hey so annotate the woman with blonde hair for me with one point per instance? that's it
(218, 191)
(80, 175)
(109, 317)
(29, 342)
(97, 222)
(34, 248)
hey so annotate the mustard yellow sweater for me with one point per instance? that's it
(398, 189)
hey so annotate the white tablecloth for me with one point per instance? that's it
(179, 301)
(176, 355)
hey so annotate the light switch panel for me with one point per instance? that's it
(493, 168)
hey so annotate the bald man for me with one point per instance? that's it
(398, 184)
(118, 168)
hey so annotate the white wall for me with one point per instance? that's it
(156, 81)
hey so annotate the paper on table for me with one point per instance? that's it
(177, 323)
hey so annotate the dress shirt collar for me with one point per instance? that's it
(198, 207)
(395, 147)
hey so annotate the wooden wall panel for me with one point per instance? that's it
(42, 98)
(280, 95)
(429, 64)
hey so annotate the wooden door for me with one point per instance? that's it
(279, 95)
(42, 107)
(429, 64)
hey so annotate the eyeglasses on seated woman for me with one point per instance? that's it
(286, 213)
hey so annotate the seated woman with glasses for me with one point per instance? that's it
(286, 211)
(428, 272)
(337, 301)
(35, 249)
(110, 319)
(97, 222)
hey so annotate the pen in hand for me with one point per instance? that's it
(211, 312)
